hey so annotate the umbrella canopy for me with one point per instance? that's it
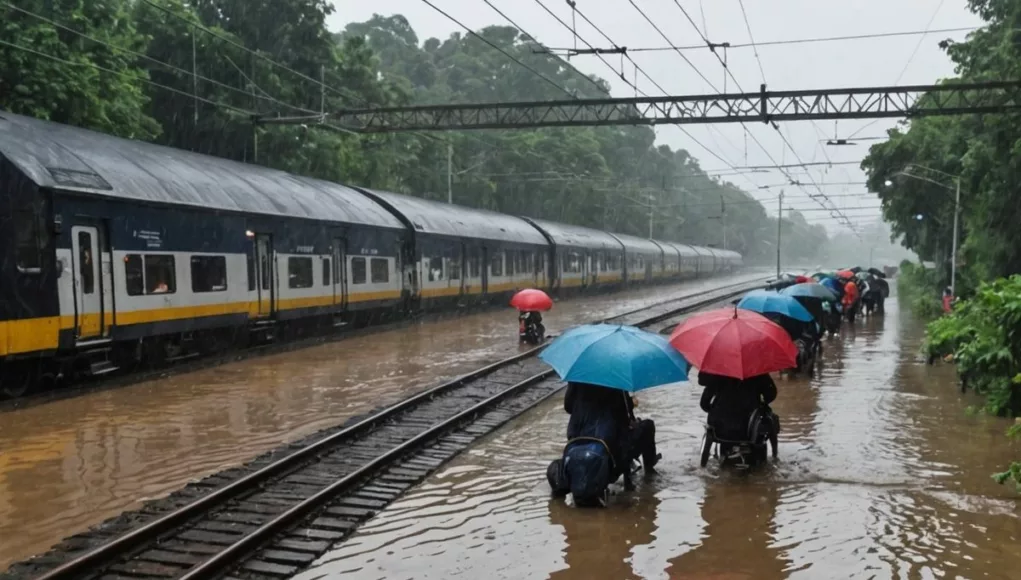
(762, 301)
(734, 343)
(619, 357)
(821, 275)
(845, 274)
(856, 269)
(781, 283)
(863, 275)
(833, 285)
(877, 272)
(810, 291)
(802, 279)
(531, 299)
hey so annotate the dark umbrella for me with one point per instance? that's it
(877, 272)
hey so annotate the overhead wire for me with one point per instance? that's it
(494, 46)
(124, 74)
(795, 41)
(911, 59)
(637, 68)
(536, 40)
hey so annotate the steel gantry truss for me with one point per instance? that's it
(763, 106)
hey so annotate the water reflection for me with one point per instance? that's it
(881, 475)
(738, 538)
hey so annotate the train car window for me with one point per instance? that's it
(358, 271)
(454, 268)
(133, 277)
(326, 272)
(86, 266)
(208, 274)
(299, 272)
(473, 264)
(160, 277)
(496, 264)
(28, 242)
(435, 267)
(250, 258)
(380, 271)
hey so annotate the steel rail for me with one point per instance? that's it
(132, 540)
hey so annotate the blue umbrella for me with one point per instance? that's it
(810, 290)
(620, 357)
(762, 301)
(833, 286)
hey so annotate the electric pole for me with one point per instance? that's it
(723, 220)
(450, 173)
(779, 224)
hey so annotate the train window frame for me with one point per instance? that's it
(454, 268)
(305, 277)
(434, 269)
(357, 280)
(28, 241)
(373, 270)
(250, 264)
(205, 261)
(475, 265)
(86, 263)
(134, 272)
(496, 265)
(327, 271)
(153, 262)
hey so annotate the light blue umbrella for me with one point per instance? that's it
(619, 357)
(810, 290)
(762, 301)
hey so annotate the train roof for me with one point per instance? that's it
(438, 218)
(69, 158)
(683, 249)
(636, 244)
(565, 235)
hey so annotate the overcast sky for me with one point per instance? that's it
(859, 63)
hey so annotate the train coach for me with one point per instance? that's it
(458, 256)
(118, 252)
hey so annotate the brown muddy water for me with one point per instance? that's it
(69, 464)
(882, 474)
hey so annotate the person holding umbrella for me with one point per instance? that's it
(735, 350)
(529, 302)
(791, 315)
(603, 364)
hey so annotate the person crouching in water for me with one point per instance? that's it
(603, 438)
(730, 402)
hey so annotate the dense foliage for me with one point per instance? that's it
(983, 334)
(984, 150)
(129, 72)
(915, 286)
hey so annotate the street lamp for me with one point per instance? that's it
(957, 212)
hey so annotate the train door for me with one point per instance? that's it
(339, 272)
(264, 270)
(88, 282)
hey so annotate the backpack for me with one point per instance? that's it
(586, 468)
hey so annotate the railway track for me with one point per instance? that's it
(273, 517)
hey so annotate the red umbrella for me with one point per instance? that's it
(734, 343)
(531, 299)
(803, 280)
(845, 274)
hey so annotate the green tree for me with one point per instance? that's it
(86, 82)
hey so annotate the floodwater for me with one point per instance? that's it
(70, 464)
(882, 474)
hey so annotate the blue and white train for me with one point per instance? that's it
(116, 252)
